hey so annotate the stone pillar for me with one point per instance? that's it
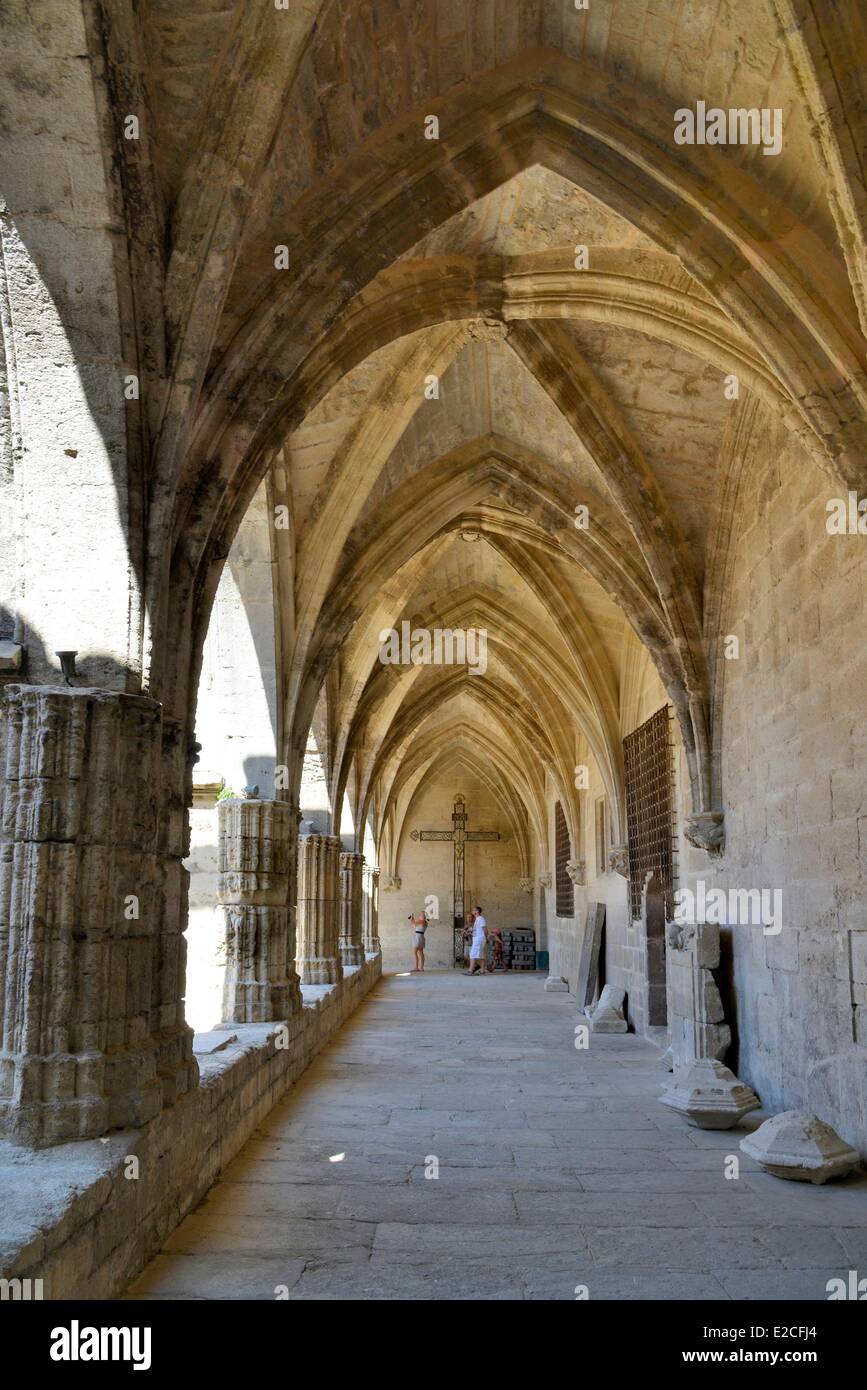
(370, 922)
(351, 869)
(257, 849)
(697, 1024)
(318, 953)
(92, 899)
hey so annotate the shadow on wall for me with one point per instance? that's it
(40, 665)
(725, 980)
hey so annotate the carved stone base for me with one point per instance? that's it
(800, 1146)
(555, 984)
(709, 1095)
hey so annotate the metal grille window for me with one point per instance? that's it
(648, 760)
(562, 852)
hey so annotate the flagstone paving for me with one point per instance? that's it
(557, 1170)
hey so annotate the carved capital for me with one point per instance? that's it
(526, 885)
(618, 860)
(706, 831)
(545, 880)
(576, 869)
(390, 883)
(488, 329)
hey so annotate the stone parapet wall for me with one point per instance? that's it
(78, 1223)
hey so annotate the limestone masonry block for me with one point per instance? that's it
(90, 919)
(318, 950)
(257, 848)
(351, 890)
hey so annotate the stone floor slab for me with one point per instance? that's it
(558, 1169)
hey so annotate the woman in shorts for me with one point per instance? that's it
(419, 927)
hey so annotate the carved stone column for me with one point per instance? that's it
(370, 922)
(318, 952)
(697, 1024)
(92, 906)
(351, 869)
(257, 848)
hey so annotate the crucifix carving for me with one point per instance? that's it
(459, 835)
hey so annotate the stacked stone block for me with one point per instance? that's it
(370, 914)
(257, 853)
(351, 944)
(92, 901)
(318, 959)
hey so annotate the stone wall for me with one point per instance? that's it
(793, 752)
(492, 873)
(68, 556)
(73, 1217)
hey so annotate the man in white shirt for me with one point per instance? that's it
(479, 944)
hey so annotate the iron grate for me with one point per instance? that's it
(648, 764)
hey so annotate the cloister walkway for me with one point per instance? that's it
(556, 1168)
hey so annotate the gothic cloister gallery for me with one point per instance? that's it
(433, 462)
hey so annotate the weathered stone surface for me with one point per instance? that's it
(800, 1146)
(90, 917)
(351, 927)
(606, 1015)
(555, 984)
(318, 951)
(696, 1022)
(370, 910)
(709, 1095)
(102, 1228)
(257, 859)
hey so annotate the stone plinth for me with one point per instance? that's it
(696, 1021)
(92, 904)
(709, 1095)
(800, 1146)
(318, 951)
(257, 848)
(555, 984)
(350, 940)
(370, 911)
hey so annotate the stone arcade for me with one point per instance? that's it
(327, 320)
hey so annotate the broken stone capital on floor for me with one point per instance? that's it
(800, 1146)
(257, 850)
(606, 1015)
(555, 984)
(709, 1095)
